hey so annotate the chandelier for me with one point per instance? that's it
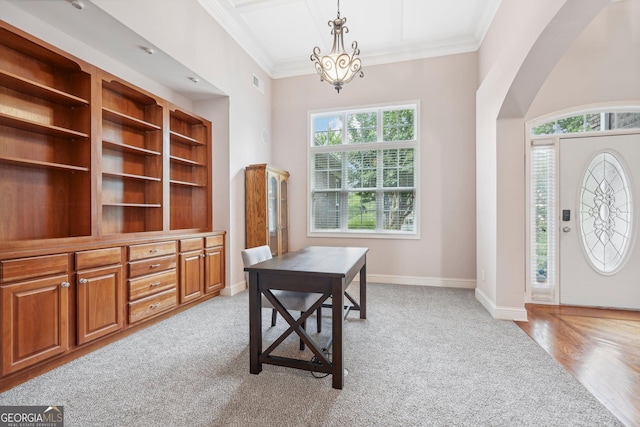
(338, 67)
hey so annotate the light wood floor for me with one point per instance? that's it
(599, 347)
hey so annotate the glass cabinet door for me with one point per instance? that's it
(284, 216)
(272, 214)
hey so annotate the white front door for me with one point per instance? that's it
(599, 221)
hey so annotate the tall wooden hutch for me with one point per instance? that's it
(267, 208)
(106, 213)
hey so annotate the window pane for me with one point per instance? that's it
(398, 168)
(628, 120)
(327, 171)
(593, 122)
(571, 124)
(398, 210)
(362, 169)
(362, 211)
(326, 210)
(327, 130)
(398, 125)
(363, 127)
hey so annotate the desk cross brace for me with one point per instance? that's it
(296, 326)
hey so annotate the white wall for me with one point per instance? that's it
(445, 88)
(601, 67)
(522, 46)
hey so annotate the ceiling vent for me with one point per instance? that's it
(258, 83)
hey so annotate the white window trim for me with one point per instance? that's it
(394, 235)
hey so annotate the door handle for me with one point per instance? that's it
(566, 229)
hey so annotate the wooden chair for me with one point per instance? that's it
(291, 300)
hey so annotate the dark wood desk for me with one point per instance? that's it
(318, 269)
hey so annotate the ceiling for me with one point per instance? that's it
(280, 34)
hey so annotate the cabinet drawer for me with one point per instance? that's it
(154, 265)
(152, 305)
(27, 268)
(149, 250)
(98, 258)
(148, 285)
(214, 241)
(191, 244)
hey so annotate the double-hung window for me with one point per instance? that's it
(363, 172)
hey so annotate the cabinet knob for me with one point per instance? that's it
(154, 306)
(201, 255)
(83, 281)
(65, 284)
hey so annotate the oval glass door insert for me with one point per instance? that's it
(606, 213)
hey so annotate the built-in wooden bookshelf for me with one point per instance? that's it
(189, 170)
(45, 145)
(132, 137)
(101, 182)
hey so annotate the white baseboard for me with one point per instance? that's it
(422, 281)
(233, 289)
(502, 313)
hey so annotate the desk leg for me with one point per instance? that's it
(337, 319)
(363, 291)
(255, 324)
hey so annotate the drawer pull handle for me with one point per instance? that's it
(154, 250)
(65, 284)
(83, 281)
(154, 284)
(154, 266)
(154, 306)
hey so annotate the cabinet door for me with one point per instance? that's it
(99, 303)
(214, 269)
(191, 276)
(283, 219)
(34, 321)
(273, 215)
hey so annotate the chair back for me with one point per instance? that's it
(255, 255)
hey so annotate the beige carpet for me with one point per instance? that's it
(424, 357)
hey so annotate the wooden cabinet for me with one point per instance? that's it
(35, 310)
(214, 271)
(201, 267)
(99, 293)
(152, 284)
(267, 208)
(191, 269)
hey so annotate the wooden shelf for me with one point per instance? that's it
(178, 137)
(129, 148)
(185, 183)
(29, 87)
(185, 162)
(40, 164)
(131, 176)
(43, 129)
(133, 205)
(123, 119)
